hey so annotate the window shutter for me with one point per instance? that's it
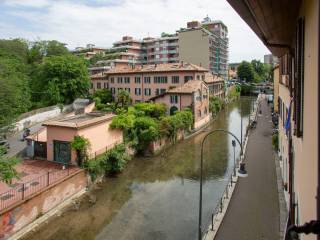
(299, 78)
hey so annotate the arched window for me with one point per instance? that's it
(173, 109)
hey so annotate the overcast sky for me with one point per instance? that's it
(102, 22)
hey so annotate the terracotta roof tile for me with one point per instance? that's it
(189, 87)
(210, 78)
(166, 67)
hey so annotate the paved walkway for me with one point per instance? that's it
(253, 212)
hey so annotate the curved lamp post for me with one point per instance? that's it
(241, 173)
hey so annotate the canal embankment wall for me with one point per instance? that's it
(16, 218)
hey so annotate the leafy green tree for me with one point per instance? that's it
(104, 95)
(147, 130)
(245, 72)
(123, 98)
(155, 110)
(41, 49)
(116, 159)
(80, 145)
(215, 105)
(7, 168)
(14, 80)
(61, 79)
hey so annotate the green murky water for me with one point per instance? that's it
(157, 197)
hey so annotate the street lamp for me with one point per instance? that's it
(234, 157)
(241, 173)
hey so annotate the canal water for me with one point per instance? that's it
(157, 197)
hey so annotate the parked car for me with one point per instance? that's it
(4, 145)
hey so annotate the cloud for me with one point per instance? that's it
(103, 22)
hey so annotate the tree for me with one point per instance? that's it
(80, 145)
(14, 80)
(104, 95)
(61, 79)
(41, 49)
(246, 72)
(7, 168)
(123, 98)
(262, 71)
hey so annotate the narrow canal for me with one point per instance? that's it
(157, 197)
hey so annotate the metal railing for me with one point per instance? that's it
(21, 191)
(94, 155)
(226, 193)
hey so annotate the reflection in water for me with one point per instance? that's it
(157, 197)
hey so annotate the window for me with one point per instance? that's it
(202, 77)
(91, 85)
(147, 91)
(99, 85)
(119, 80)
(198, 77)
(113, 90)
(119, 89)
(175, 79)
(126, 79)
(187, 78)
(299, 78)
(173, 98)
(137, 91)
(162, 90)
(157, 91)
(105, 85)
(205, 111)
(128, 90)
(160, 79)
(112, 80)
(147, 80)
(137, 80)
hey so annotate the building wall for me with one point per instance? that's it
(276, 75)
(184, 101)
(153, 86)
(61, 134)
(17, 218)
(194, 48)
(284, 95)
(101, 137)
(305, 148)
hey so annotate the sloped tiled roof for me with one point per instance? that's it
(210, 78)
(166, 67)
(98, 75)
(189, 87)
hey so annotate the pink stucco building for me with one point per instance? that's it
(54, 141)
(148, 81)
(194, 95)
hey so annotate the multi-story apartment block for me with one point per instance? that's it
(292, 34)
(205, 44)
(271, 59)
(89, 51)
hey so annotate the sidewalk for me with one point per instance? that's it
(253, 212)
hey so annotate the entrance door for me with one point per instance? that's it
(62, 152)
(40, 149)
